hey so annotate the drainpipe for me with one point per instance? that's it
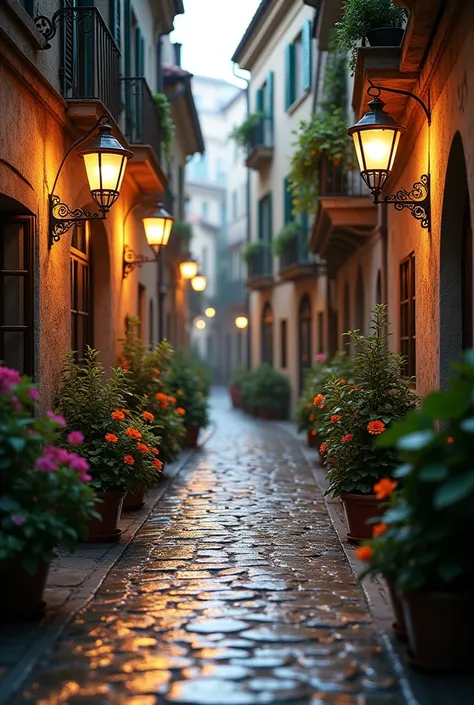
(249, 223)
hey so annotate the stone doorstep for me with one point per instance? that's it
(417, 689)
(73, 581)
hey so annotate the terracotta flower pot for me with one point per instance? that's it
(359, 508)
(110, 510)
(133, 501)
(21, 594)
(270, 415)
(399, 626)
(440, 626)
(234, 395)
(191, 437)
(385, 36)
(312, 440)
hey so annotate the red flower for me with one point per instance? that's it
(133, 433)
(155, 451)
(118, 415)
(318, 399)
(111, 438)
(158, 464)
(364, 553)
(375, 427)
(128, 460)
(335, 418)
(143, 448)
(379, 529)
(314, 432)
(323, 448)
(180, 411)
(347, 438)
(450, 439)
(384, 488)
(148, 416)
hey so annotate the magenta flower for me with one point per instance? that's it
(76, 462)
(17, 519)
(75, 438)
(45, 464)
(320, 357)
(85, 477)
(33, 393)
(8, 378)
(56, 418)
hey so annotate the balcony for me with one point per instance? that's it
(89, 66)
(296, 261)
(260, 151)
(346, 214)
(260, 267)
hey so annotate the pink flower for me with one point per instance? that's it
(320, 357)
(60, 456)
(45, 464)
(8, 378)
(85, 477)
(78, 463)
(75, 438)
(56, 418)
(17, 519)
(33, 393)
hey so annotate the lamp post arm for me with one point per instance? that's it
(400, 91)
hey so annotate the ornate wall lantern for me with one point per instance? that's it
(188, 268)
(376, 138)
(199, 282)
(157, 223)
(105, 161)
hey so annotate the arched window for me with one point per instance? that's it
(267, 334)
(81, 299)
(304, 338)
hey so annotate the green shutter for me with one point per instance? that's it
(260, 220)
(127, 39)
(290, 88)
(139, 53)
(269, 104)
(306, 69)
(288, 201)
(270, 218)
(114, 19)
(259, 100)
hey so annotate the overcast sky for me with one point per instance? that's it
(210, 31)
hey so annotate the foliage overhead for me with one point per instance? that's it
(165, 119)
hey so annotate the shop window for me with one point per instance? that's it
(16, 292)
(81, 304)
(407, 315)
(283, 343)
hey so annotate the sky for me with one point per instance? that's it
(210, 31)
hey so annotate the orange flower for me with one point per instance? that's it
(347, 438)
(375, 427)
(379, 529)
(158, 464)
(157, 372)
(180, 411)
(364, 553)
(318, 399)
(143, 448)
(118, 415)
(125, 411)
(335, 418)
(323, 448)
(133, 433)
(163, 399)
(322, 406)
(450, 439)
(148, 416)
(342, 380)
(180, 392)
(111, 438)
(128, 460)
(125, 365)
(384, 488)
(172, 400)
(314, 433)
(311, 418)
(155, 451)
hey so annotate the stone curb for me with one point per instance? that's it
(51, 628)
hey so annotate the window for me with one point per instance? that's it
(16, 292)
(320, 332)
(267, 334)
(234, 204)
(81, 305)
(407, 315)
(28, 5)
(151, 323)
(205, 210)
(283, 343)
(265, 219)
(264, 104)
(298, 65)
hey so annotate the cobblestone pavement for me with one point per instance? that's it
(235, 592)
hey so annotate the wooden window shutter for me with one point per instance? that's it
(259, 100)
(127, 39)
(269, 103)
(290, 88)
(288, 201)
(139, 53)
(270, 218)
(114, 10)
(306, 69)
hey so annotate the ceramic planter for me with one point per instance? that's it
(440, 626)
(359, 508)
(133, 501)
(399, 626)
(21, 594)
(110, 509)
(191, 437)
(385, 36)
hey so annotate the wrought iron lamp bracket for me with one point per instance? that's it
(132, 260)
(49, 27)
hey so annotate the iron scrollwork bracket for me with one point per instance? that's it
(48, 27)
(132, 260)
(417, 200)
(62, 218)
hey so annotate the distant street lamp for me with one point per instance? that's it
(241, 322)
(210, 312)
(199, 282)
(188, 268)
(200, 324)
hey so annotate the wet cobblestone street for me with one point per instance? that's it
(235, 592)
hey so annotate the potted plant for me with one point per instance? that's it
(243, 135)
(288, 233)
(183, 231)
(119, 445)
(360, 412)
(191, 399)
(167, 128)
(251, 250)
(431, 524)
(239, 374)
(269, 393)
(46, 499)
(381, 22)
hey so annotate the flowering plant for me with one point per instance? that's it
(187, 388)
(120, 446)
(266, 389)
(363, 410)
(45, 498)
(146, 377)
(427, 541)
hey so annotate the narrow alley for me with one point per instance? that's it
(235, 592)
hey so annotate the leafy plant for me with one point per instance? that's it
(238, 377)
(288, 233)
(428, 529)
(184, 232)
(45, 497)
(146, 378)
(265, 388)
(363, 410)
(243, 134)
(193, 360)
(119, 445)
(165, 119)
(251, 249)
(359, 17)
(189, 390)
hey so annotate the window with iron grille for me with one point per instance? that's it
(81, 300)
(408, 315)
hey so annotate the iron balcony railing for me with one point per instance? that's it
(139, 118)
(260, 262)
(341, 179)
(89, 58)
(296, 251)
(261, 134)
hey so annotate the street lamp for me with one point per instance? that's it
(210, 312)
(188, 268)
(157, 224)
(199, 282)
(105, 161)
(241, 322)
(200, 324)
(376, 137)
